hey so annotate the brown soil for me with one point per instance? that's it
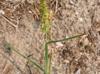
(20, 26)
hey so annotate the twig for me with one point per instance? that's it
(56, 7)
(8, 20)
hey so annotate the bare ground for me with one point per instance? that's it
(20, 26)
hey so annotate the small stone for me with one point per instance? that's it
(66, 61)
(67, 36)
(59, 44)
(30, 11)
(2, 12)
(81, 19)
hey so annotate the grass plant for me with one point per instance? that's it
(45, 27)
(46, 68)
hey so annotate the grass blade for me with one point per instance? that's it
(47, 64)
(8, 45)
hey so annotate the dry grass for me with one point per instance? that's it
(71, 17)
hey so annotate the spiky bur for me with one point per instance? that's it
(44, 15)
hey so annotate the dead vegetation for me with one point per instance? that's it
(20, 26)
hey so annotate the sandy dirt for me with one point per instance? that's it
(20, 26)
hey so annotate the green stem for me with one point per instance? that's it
(54, 41)
(46, 51)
